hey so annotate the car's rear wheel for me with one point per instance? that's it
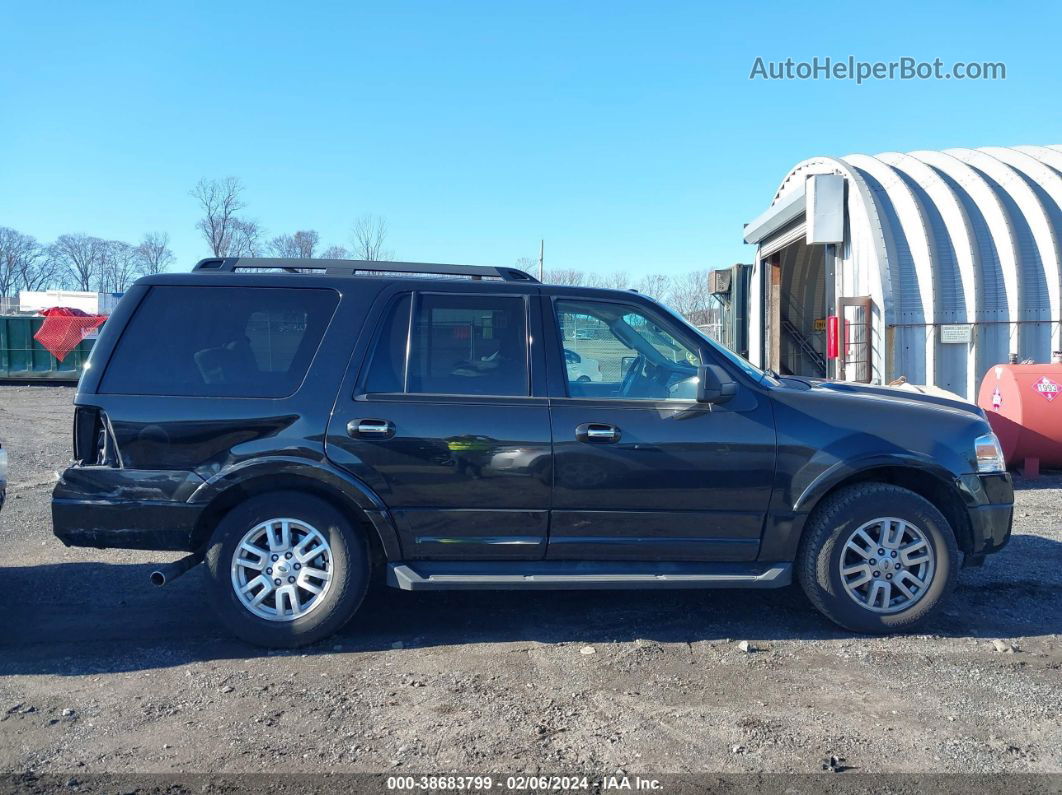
(877, 558)
(287, 569)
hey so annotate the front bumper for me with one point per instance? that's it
(990, 508)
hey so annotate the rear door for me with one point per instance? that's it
(643, 471)
(448, 422)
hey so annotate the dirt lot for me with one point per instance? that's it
(99, 671)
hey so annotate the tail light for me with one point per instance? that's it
(93, 445)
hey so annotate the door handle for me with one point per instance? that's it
(599, 432)
(373, 429)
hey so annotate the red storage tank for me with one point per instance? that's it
(1024, 405)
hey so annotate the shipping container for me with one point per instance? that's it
(23, 358)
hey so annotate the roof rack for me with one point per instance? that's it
(348, 267)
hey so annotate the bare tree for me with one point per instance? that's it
(283, 246)
(118, 267)
(153, 255)
(81, 256)
(617, 280)
(20, 255)
(245, 239)
(654, 285)
(564, 276)
(527, 265)
(220, 201)
(300, 245)
(335, 252)
(368, 236)
(689, 296)
(43, 271)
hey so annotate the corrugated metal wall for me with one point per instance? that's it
(954, 237)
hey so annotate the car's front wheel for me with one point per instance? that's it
(287, 569)
(877, 558)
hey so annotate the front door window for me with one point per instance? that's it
(615, 350)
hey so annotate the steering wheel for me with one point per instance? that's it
(632, 376)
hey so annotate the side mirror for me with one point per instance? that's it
(714, 384)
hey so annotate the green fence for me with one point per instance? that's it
(23, 358)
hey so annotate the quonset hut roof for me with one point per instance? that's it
(958, 236)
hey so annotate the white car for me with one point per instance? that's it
(581, 368)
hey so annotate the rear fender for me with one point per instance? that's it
(233, 484)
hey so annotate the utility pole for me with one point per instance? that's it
(541, 260)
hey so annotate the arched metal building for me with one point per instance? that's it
(939, 265)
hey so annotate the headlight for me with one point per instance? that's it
(989, 454)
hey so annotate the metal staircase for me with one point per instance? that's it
(805, 347)
(802, 343)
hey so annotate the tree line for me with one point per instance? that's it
(229, 233)
(686, 293)
(84, 262)
(79, 261)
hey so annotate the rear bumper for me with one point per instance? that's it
(125, 524)
(127, 509)
(990, 507)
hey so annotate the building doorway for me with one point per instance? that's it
(795, 306)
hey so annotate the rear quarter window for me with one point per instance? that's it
(219, 342)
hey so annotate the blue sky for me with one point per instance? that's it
(628, 135)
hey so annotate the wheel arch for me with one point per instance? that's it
(345, 493)
(934, 483)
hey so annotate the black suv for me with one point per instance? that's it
(300, 424)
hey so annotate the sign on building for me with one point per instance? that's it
(958, 332)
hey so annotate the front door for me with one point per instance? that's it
(643, 471)
(445, 427)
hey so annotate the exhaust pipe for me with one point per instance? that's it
(168, 572)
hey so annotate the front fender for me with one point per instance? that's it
(785, 524)
(345, 486)
(820, 483)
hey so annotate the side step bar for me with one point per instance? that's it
(579, 575)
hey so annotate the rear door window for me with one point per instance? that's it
(469, 345)
(460, 345)
(220, 342)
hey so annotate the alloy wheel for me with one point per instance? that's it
(282, 569)
(887, 565)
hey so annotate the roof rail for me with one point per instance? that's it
(349, 267)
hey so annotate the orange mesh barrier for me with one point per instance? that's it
(63, 329)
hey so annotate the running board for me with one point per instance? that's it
(580, 575)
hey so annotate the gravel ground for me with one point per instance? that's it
(101, 672)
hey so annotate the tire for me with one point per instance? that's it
(862, 608)
(347, 562)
